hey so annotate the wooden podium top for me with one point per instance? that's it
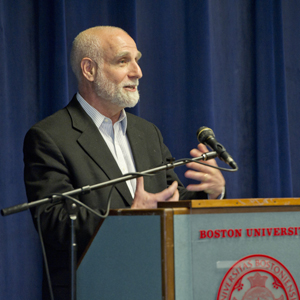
(232, 203)
(216, 206)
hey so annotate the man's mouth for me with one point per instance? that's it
(131, 88)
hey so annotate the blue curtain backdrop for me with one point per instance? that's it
(232, 65)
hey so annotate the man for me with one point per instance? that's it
(93, 140)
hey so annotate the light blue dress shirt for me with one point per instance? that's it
(115, 138)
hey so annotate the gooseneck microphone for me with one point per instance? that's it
(207, 137)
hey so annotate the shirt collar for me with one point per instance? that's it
(97, 117)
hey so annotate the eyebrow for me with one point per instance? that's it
(122, 54)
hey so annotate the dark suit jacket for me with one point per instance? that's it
(66, 151)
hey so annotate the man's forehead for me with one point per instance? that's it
(120, 46)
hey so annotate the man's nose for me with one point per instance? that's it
(135, 70)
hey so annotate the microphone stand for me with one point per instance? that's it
(87, 189)
(73, 250)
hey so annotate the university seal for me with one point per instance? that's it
(258, 277)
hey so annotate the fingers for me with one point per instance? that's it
(140, 184)
(201, 148)
(212, 183)
(198, 152)
(175, 196)
(169, 193)
(203, 169)
(143, 199)
(210, 180)
(204, 180)
(199, 175)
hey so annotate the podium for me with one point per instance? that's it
(196, 249)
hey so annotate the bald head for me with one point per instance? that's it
(105, 62)
(92, 43)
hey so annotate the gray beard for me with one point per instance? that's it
(115, 93)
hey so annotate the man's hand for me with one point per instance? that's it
(211, 180)
(143, 199)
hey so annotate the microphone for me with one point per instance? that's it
(207, 137)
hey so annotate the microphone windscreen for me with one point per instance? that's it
(203, 133)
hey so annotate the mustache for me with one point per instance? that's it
(131, 83)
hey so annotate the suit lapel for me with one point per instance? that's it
(138, 144)
(94, 145)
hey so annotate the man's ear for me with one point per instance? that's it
(88, 68)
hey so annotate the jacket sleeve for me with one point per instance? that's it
(46, 172)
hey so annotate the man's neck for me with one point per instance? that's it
(105, 107)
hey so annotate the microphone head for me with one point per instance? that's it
(203, 133)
